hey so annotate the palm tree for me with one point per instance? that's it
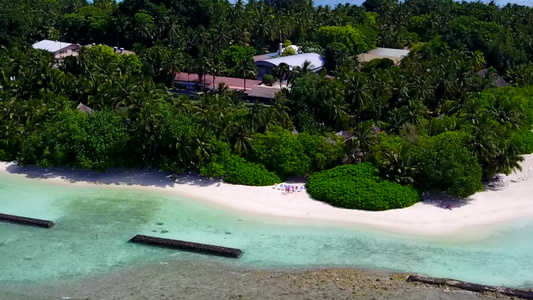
(306, 67)
(204, 66)
(247, 69)
(217, 68)
(174, 63)
(481, 140)
(282, 72)
(356, 92)
(282, 28)
(397, 165)
(242, 143)
(506, 159)
(144, 25)
(364, 137)
(281, 111)
(190, 65)
(298, 72)
(263, 30)
(257, 116)
(397, 117)
(478, 60)
(293, 74)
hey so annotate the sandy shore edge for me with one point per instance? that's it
(504, 202)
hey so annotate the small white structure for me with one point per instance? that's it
(57, 49)
(295, 48)
(83, 108)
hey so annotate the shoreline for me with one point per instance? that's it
(494, 207)
(205, 280)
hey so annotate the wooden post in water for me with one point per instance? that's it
(187, 246)
(26, 221)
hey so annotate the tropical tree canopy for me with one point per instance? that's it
(455, 111)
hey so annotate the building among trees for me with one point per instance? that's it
(396, 55)
(316, 63)
(57, 49)
(192, 82)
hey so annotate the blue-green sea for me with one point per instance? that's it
(94, 224)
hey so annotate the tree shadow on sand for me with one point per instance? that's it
(445, 201)
(142, 177)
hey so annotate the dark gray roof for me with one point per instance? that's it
(345, 134)
(266, 92)
(84, 108)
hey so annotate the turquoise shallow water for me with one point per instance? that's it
(93, 225)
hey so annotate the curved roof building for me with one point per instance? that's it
(298, 60)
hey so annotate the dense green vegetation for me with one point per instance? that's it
(359, 186)
(235, 169)
(430, 122)
(78, 140)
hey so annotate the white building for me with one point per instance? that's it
(57, 49)
(266, 66)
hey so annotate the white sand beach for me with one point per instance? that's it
(508, 200)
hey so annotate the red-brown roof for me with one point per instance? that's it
(232, 82)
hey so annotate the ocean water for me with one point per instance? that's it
(94, 224)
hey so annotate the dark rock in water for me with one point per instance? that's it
(473, 287)
(159, 223)
(188, 246)
(164, 231)
(26, 221)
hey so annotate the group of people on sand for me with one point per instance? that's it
(288, 188)
(446, 205)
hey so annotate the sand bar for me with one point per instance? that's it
(507, 201)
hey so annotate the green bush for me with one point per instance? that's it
(525, 139)
(285, 153)
(445, 165)
(269, 79)
(377, 63)
(75, 139)
(324, 153)
(236, 169)
(4, 153)
(236, 54)
(353, 38)
(279, 150)
(239, 171)
(360, 187)
(288, 51)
